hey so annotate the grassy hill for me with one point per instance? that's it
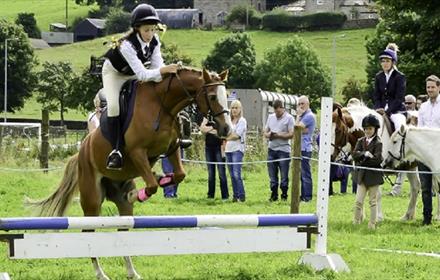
(46, 11)
(350, 55)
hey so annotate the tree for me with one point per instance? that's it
(117, 21)
(21, 60)
(294, 68)
(53, 86)
(354, 88)
(83, 88)
(236, 53)
(415, 27)
(29, 23)
(172, 54)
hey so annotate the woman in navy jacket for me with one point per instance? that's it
(390, 87)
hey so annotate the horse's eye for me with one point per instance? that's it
(212, 97)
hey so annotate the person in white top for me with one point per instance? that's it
(235, 147)
(135, 56)
(93, 119)
(429, 116)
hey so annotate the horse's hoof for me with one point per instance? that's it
(407, 217)
(102, 277)
(437, 218)
(132, 196)
(134, 276)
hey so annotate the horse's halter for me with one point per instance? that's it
(402, 148)
(207, 94)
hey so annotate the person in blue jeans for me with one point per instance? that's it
(234, 150)
(169, 191)
(213, 153)
(306, 119)
(279, 130)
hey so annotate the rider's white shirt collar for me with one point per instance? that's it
(143, 44)
(387, 76)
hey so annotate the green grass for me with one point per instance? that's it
(46, 11)
(344, 238)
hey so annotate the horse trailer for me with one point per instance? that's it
(257, 104)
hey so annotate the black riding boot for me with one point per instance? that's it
(114, 160)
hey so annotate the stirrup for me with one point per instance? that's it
(114, 160)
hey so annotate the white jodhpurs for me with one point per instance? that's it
(112, 83)
(398, 120)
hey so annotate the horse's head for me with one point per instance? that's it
(396, 150)
(212, 101)
(341, 122)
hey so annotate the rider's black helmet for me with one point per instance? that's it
(144, 14)
(370, 120)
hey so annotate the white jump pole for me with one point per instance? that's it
(320, 259)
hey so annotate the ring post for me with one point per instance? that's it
(320, 259)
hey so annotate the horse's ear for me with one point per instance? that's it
(206, 75)
(339, 113)
(224, 75)
(348, 120)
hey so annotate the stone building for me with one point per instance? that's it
(214, 12)
(354, 9)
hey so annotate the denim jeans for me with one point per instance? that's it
(235, 172)
(426, 182)
(214, 154)
(170, 190)
(282, 166)
(306, 177)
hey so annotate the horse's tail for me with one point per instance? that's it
(56, 204)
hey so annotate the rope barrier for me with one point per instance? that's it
(351, 166)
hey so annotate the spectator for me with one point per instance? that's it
(279, 131)
(93, 119)
(306, 119)
(368, 153)
(234, 149)
(213, 153)
(169, 191)
(429, 116)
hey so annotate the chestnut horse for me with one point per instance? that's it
(153, 131)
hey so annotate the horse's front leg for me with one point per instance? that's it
(140, 161)
(414, 188)
(176, 162)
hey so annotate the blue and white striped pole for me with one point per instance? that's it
(60, 223)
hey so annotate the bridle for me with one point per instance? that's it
(402, 148)
(204, 90)
(344, 137)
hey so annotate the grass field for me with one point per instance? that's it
(46, 11)
(344, 238)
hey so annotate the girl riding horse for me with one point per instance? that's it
(135, 56)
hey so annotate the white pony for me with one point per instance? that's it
(416, 143)
(358, 111)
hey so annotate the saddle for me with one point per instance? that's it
(126, 105)
(389, 125)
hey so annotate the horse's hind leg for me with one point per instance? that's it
(414, 188)
(116, 192)
(91, 197)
